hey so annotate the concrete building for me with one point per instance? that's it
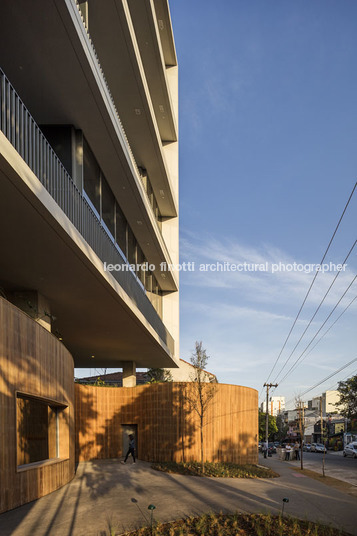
(89, 176)
(276, 405)
(88, 213)
(88, 239)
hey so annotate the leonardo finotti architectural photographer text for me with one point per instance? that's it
(226, 266)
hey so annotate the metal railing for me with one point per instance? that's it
(21, 130)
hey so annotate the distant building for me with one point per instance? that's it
(276, 405)
(185, 373)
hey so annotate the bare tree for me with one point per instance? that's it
(200, 391)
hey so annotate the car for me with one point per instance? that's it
(318, 447)
(350, 450)
(307, 447)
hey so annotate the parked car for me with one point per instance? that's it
(306, 447)
(350, 450)
(318, 447)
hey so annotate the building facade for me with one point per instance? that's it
(276, 405)
(88, 209)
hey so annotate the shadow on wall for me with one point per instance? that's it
(34, 368)
(167, 430)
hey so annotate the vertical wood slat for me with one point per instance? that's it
(167, 429)
(32, 361)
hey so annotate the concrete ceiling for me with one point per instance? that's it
(92, 315)
(52, 69)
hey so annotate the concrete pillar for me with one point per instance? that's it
(129, 374)
(34, 304)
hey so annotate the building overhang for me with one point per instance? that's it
(56, 52)
(41, 250)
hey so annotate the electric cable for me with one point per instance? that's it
(313, 281)
(318, 331)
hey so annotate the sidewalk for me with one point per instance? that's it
(107, 494)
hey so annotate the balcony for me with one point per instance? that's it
(22, 132)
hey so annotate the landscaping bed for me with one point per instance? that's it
(238, 525)
(219, 469)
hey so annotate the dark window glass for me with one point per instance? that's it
(91, 176)
(36, 431)
(120, 230)
(108, 205)
(131, 247)
(141, 260)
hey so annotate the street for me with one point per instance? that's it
(336, 465)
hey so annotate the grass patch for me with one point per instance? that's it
(238, 525)
(221, 469)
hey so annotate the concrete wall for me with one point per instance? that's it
(34, 365)
(166, 428)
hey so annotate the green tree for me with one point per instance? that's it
(159, 375)
(200, 391)
(282, 428)
(348, 397)
(272, 427)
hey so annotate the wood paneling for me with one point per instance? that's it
(33, 362)
(167, 429)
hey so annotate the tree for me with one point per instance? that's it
(282, 428)
(200, 391)
(272, 427)
(348, 397)
(159, 375)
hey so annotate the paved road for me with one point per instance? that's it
(335, 465)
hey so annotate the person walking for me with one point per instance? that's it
(131, 449)
(265, 449)
(297, 450)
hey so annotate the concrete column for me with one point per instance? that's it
(129, 374)
(34, 304)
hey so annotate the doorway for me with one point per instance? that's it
(126, 430)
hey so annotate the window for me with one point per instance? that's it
(108, 206)
(131, 247)
(42, 430)
(120, 229)
(91, 176)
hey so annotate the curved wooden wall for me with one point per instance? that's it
(167, 429)
(34, 362)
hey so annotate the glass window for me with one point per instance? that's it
(131, 247)
(120, 229)
(36, 430)
(141, 260)
(108, 206)
(91, 176)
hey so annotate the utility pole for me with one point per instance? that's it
(268, 385)
(322, 438)
(301, 409)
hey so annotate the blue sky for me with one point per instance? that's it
(268, 139)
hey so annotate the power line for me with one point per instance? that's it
(316, 311)
(318, 331)
(322, 336)
(313, 281)
(325, 379)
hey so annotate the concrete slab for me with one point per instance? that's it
(106, 494)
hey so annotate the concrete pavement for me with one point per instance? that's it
(106, 494)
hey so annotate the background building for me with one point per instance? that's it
(276, 405)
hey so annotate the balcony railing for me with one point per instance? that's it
(21, 130)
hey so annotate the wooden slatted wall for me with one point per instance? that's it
(34, 362)
(167, 429)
